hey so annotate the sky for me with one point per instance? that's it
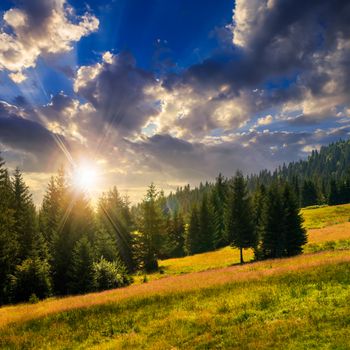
(170, 92)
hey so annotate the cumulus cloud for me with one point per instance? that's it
(250, 152)
(32, 144)
(265, 120)
(38, 28)
(119, 91)
(299, 49)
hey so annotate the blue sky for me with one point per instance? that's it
(170, 91)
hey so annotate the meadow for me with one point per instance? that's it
(322, 216)
(300, 302)
(208, 301)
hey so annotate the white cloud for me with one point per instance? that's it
(247, 15)
(265, 120)
(35, 33)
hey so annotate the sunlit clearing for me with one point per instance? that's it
(85, 177)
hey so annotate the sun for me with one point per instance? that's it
(85, 177)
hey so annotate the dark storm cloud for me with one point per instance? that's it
(250, 152)
(117, 90)
(32, 140)
(300, 41)
(282, 39)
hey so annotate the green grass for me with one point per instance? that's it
(328, 245)
(315, 217)
(298, 303)
(307, 309)
(319, 217)
(195, 263)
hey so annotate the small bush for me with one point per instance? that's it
(33, 299)
(31, 277)
(109, 275)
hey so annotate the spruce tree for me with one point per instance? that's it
(333, 197)
(9, 245)
(24, 215)
(151, 231)
(259, 202)
(115, 217)
(273, 230)
(193, 233)
(81, 268)
(309, 193)
(218, 200)
(206, 226)
(105, 246)
(294, 232)
(239, 219)
(176, 236)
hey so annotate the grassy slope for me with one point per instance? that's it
(316, 221)
(63, 312)
(319, 217)
(301, 302)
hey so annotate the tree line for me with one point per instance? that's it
(67, 247)
(323, 178)
(63, 248)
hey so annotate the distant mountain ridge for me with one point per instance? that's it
(322, 178)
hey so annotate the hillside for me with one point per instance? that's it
(311, 179)
(202, 300)
(262, 305)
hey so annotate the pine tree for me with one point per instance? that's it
(218, 200)
(193, 234)
(239, 220)
(333, 197)
(273, 230)
(295, 233)
(57, 208)
(105, 246)
(50, 212)
(176, 236)
(309, 193)
(81, 269)
(115, 217)
(259, 202)
(24, 215)
(149, 240)
(206, 226)
(9, 245)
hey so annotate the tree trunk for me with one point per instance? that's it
(241, 255)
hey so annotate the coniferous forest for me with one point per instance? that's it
(65, 246)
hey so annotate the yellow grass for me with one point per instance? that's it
(320, 217)
(199, 262)
(187, 282)
(330, 233)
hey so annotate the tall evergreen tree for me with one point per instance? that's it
(273, 234)
(259, 202)
(333, 197)
(309, 193)
(149, 240)
(295, 233)
(206, 226)
(193, 234)
(218, 200)
(81, 268)
(115, 217)
(239, 220)
(9, 245)
(176, 236)
(24, 215)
